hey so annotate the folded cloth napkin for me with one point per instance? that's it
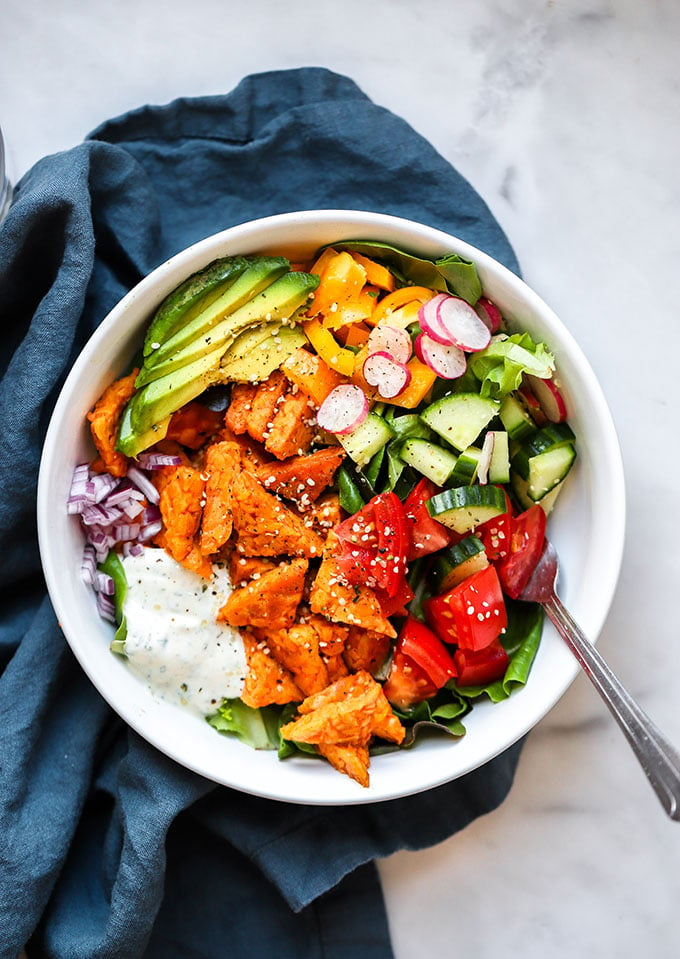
(108, 848)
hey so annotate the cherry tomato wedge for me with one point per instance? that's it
(480, 667)
(421, 665)
(471, 615)
(527, 536)
(374, 545)
(495, 534)
(427, 535)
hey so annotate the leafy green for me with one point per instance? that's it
(501, 365)
(258, 728)
(521, 640)
(449, 274)
(112, 566)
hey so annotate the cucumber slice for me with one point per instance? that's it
(466, 467)
(499, 467)
(520, 489)
(431, 460)
(515, 419)
(547, 470)
(365, 441)
(548, 438)
(457, 562)
(464, 507)
(459, 419)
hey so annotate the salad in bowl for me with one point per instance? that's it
(313, 494)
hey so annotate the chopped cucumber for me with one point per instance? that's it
(467, 464)
(548, 438)
(520, 489)
(515, 419)
(548, 469)
(431, 460)
(459, 419)
(455, 563)
(499, 467)
(365, 441)
(463, 508)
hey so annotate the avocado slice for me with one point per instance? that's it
(130, 442)
(197, 293)
(151, 405)
(258, 274)
(277, 302)
(247, 361)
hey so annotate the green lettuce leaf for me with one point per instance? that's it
(501, 365)
(449, 274)
(258, 728)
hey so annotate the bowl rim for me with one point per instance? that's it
(164, 278)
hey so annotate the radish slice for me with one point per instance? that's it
(489, 314)
(387, 374)
(390, 339)
(446, 361)
(464, 327)
(549, 398)
(345, 408)
(428, 317)
(485, 458)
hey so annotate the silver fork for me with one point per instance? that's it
(658, 758)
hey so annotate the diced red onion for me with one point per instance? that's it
(155, 461)
(148, 532)
(132, 549)
(388, 375)
(106, 608)
(103, 583)
(102, 484)
(88, 565)
(143, 483)
(126, 531)
(344, 409)
(446, 361)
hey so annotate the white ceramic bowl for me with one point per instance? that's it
(587, 527)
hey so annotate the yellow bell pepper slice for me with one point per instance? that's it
(328, 348)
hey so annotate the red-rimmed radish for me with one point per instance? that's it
(388, 375)
(345, 408)
(489, 314)
(485, 458)
(464, 327)
(447, 361)
(549, 398)
(430, 324)
(390, 339)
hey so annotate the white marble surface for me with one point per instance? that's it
(564, 115)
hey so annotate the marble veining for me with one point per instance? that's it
(563, 115)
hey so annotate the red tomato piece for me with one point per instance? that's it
(421, 665)
(395, 605)
(495, 534)
(472, 615)
(427, 535)
(481, 667)
(526, 545)
(374, 544)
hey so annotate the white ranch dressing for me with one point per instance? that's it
(174, 642)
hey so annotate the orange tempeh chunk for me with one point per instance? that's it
(351, 759)
(240, 405)
(223, 465)
(193, 425)
(104, 419)
(293, 426)
(266, 527)
(302, 478)
(267, 681)
(264, 405)
(268, 602)
(353, 605)
(297, 648)
(181, 506)
(244, 568)
(365, 649)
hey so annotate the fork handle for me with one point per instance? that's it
(658, 758)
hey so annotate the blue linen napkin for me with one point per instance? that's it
(107, 848)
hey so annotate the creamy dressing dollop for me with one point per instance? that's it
(174, 642)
